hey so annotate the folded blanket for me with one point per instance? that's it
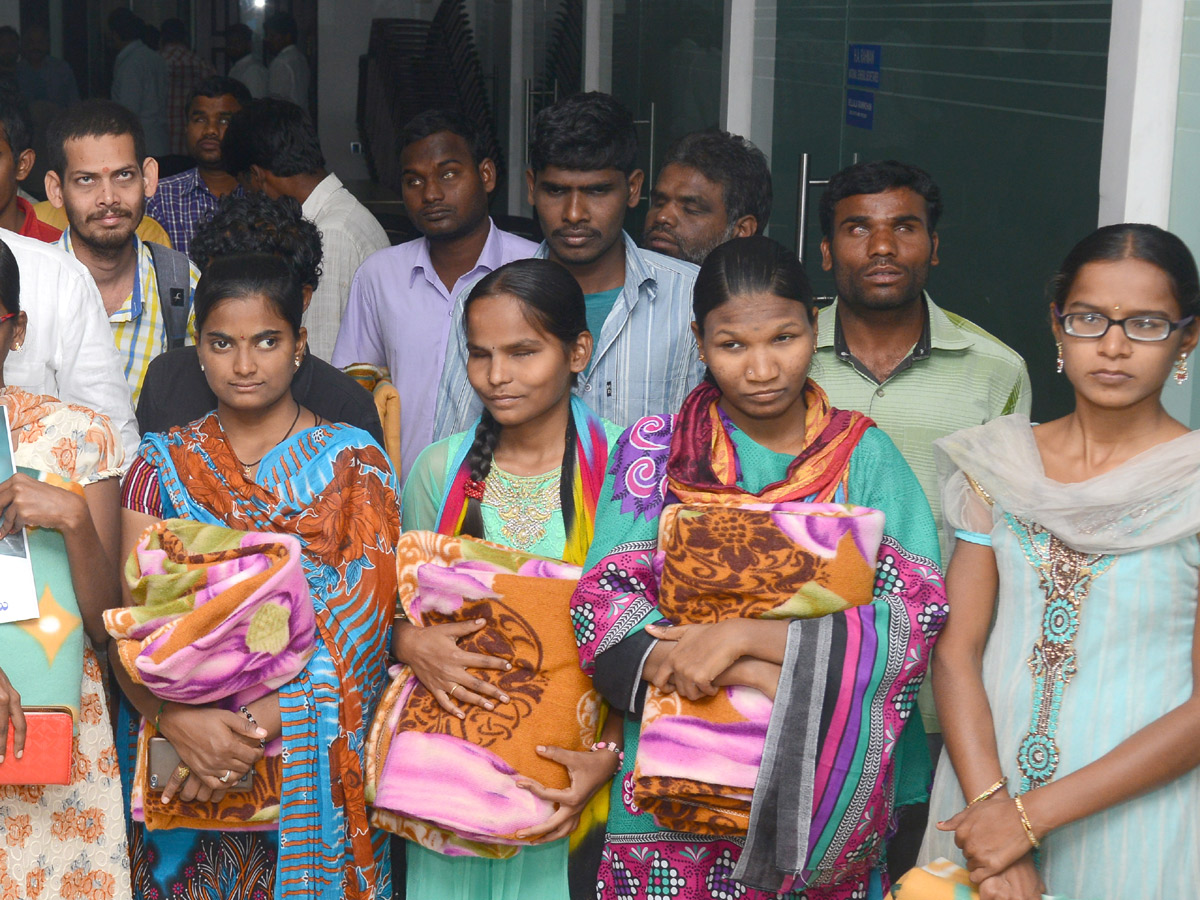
(698, 761)
(223, 617)
(450, 784)
(940, 880)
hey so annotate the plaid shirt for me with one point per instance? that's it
(180, 204)
(138, 327)
(185, 70)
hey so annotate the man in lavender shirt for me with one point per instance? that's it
(402, 298)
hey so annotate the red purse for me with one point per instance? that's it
(49, 742)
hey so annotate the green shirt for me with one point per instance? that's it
(599, 305)
(956, 376)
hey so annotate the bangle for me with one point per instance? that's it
(610, 745)
(990, 791)
(400, 616)
(158, 715)
(1025, 823)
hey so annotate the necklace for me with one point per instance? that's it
(247, 466)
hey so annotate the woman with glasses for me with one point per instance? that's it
(1067, 675)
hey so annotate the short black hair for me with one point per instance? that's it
(239, 28)
(218, 86)
(10, 280)
(281, 23)
(174, 31)
(254, 223)
(585, 132)
(433, 121)
(732, 162)
(17, 122)
(246, 275)
(875, 178)
(275, 135)
(92, 118)
(126, 24)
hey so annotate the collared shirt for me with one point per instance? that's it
(138, 327)
(140, 85)
(645, 361)
(68, 350)
(253, 74)
(349, 234)
(34, 227)
(399, 316)
(287, 76)
(185, 70)
(181, 203)
(176, 393)
(957, 375)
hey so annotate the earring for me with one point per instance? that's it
(297, 362)
(1181, 370)
(1059, 364)
(702, 359)
(201, 367)
(17, 346)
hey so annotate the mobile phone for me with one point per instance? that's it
(163, 761)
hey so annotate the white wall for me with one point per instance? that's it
(345, 29)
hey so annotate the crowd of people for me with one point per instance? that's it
(753, 500)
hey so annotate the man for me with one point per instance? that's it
(68, 350)
(42, 77)
(139, 78)
(402, 298)
(714, 186)
(176, 392)
(581, 180)
(271, 146)
(100, 175)
(885, 348)
(239, 50)
(287, 76)
(16, 160)
(184, 200)
(185, 69)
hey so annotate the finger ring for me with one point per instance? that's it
(183, 772)
(450, 693)
(224, 779)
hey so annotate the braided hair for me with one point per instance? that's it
(553, 303)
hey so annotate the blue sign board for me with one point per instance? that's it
(862, 67)
(860, 109)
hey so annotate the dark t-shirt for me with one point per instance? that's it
(175, 392)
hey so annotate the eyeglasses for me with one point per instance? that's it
(4, 318)
(1137, 328)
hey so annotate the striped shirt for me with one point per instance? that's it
(645, 361)
(138, 327)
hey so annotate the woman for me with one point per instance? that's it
(67, 840)
(757, 430)
(1073, 721)
(527, 477)
(263, 462)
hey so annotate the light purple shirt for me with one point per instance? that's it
(399, 316)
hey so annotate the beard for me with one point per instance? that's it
(856, 291)
(106, 239)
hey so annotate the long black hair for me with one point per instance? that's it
(553, 303)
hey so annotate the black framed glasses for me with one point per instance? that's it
(1137, 328)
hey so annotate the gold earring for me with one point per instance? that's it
(1181, 370)
(1059, 363)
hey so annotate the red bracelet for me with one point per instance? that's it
(610, 745)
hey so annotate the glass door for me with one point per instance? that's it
(1001, 102)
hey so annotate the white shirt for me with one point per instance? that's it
(287, 76)
(68, 350)
(349, 234)
(140, 85)
(253, 74)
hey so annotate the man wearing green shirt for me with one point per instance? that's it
(885, 348)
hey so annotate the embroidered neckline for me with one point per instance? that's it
(524, 503)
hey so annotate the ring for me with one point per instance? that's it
(450, 693)
(183, 772)
(224, 779)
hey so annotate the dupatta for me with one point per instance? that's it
(333, 488)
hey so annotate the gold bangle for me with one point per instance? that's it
(990, 791)
(400, 616)
(1025, 822)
